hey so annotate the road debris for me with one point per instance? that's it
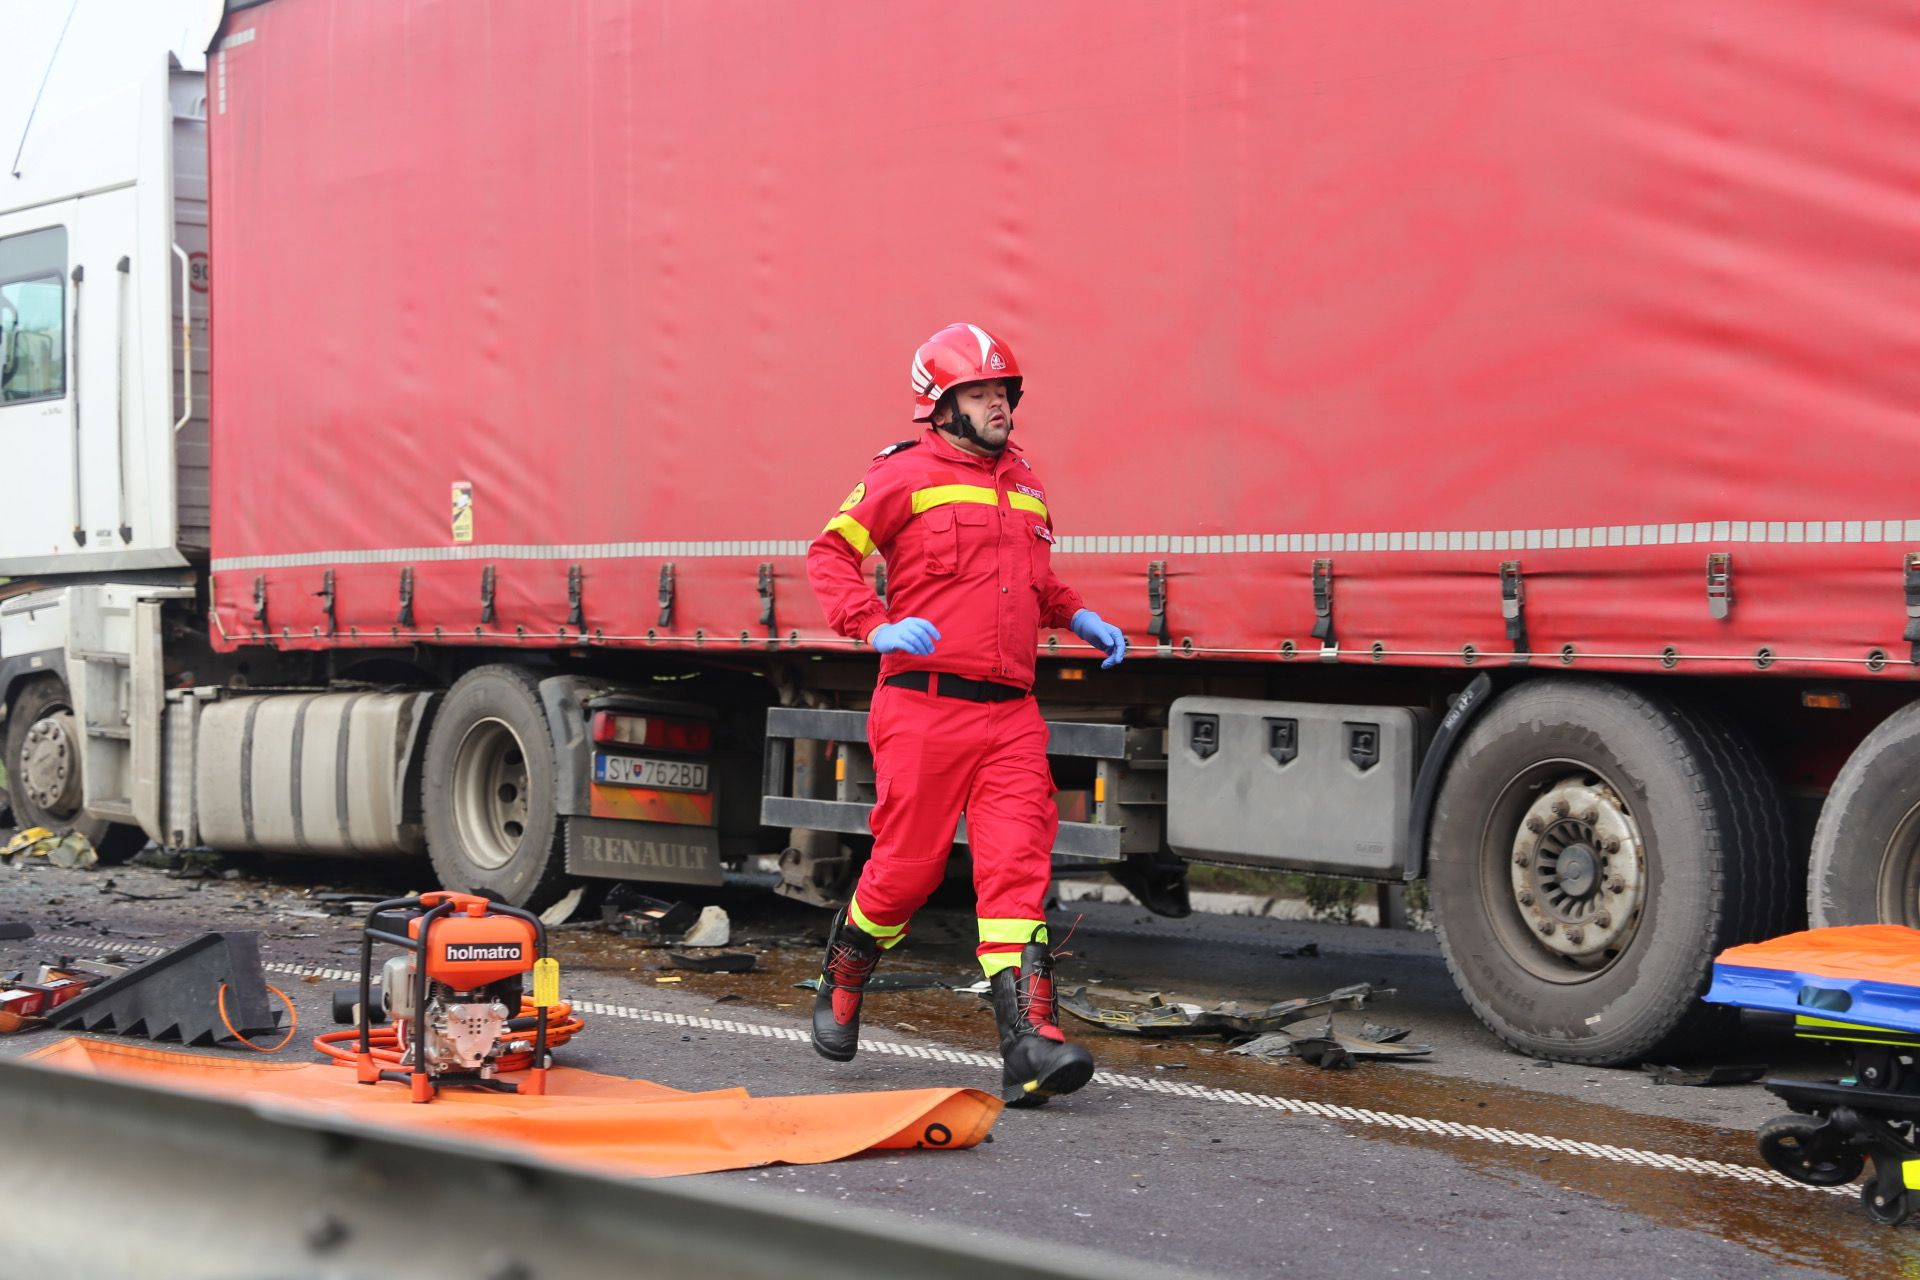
(652, 920)
(1161, 1017)
(345, 904)
(111, 887)
(32, 1001)
(712, 929)
(1324, 1047)
(562, 911)
(898, 981)
(70, 851)
(721, 962)
(1745, 1073)
(183, 864)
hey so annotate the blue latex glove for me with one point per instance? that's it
(909, 635)
(1102, 635)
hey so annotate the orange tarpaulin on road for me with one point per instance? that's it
(605, 1123)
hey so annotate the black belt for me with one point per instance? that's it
(949, 686)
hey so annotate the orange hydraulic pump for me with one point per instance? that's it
(455, 998)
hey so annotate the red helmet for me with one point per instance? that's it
(955, 356)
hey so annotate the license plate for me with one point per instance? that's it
(643, 771)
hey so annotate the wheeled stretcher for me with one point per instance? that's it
(1858, 988)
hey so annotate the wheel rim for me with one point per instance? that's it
(1888, 1205)
(1899, 888)
(50, 765)
(490, 788)
(1565, 871)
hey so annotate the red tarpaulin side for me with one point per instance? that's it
(1600, 288)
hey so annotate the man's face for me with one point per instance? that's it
(986, 404)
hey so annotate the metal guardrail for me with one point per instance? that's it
(110, 1180)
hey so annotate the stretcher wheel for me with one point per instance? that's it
(1888, 1208)
(1810, 1151)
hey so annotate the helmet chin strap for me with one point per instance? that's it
(962, 425)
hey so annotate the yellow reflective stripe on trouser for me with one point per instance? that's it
(886, 935)
(944, 494)
(1021, 502)
(853, 531)
(994, 961)
(1018, 932)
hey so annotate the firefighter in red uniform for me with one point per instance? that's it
(961, 518)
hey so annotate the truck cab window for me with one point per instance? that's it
(33, 310)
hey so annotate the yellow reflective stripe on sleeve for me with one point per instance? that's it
(994, 961)
(887, 934)
(944, 494)
(1021, 502)
(1013, 931)
(853, 531)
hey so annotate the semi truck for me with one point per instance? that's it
(1493, 424)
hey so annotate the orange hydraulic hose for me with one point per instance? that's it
(344, 1046)
(293, 1021)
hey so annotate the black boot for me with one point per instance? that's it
(1039, 1061)
(852, 953)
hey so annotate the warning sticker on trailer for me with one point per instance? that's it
(463, 511)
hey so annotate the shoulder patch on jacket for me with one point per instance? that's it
(896, 447)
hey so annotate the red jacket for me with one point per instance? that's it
(968, 543)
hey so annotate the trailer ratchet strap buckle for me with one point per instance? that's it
(1513, 608)
(1720, 584)
(1323, 611)
(576, 603)
(405, 617)
(1912, 633)
(765, 586)
(1157, 601)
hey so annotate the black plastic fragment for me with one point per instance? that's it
(1744, 1073)
(724, 962)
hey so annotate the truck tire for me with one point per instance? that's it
(1593, 849)
(43, 771)
(488, 791)
(1866, 846)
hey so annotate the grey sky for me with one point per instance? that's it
(108, 43)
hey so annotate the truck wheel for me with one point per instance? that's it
(1866, 846)
(489, 799)
(1593, 849)
(43, 771)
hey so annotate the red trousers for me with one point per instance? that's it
(933, 759)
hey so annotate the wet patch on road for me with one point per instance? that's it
(1793, 1225)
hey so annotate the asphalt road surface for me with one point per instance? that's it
(1474, 1162)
